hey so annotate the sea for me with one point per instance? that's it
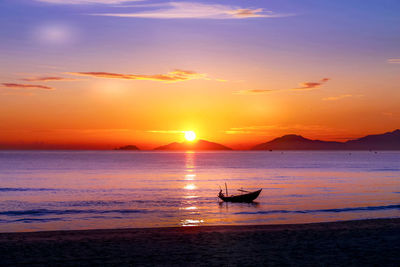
(75, 190)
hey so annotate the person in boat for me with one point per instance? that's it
(220, 194)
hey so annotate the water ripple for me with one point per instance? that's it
(45, 212)
(370, 208)
(18, 189)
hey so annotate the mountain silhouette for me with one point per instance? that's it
(197, 145)
(128, 147)
(386, 141)
(298, 142)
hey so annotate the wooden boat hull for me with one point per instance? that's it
(249, 197)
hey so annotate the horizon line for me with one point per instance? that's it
(117, 147)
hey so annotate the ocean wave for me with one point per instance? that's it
(103, 203)
(10, 189)
(90, 203)
(369, 208)
(33, 220)
(45, 212)
(385, 170)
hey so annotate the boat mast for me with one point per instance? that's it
(226, 188)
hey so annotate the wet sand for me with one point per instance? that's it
(350, 243)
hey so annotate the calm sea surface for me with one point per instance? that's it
(51, 190)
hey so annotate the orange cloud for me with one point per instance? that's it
(303, 86)
(174, 76)
(46, 79)
(247, 13)
(26, 86)
(312, 85)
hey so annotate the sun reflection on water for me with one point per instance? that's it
(190, 203)
(190, 177)
(189, 208)
(191, 222)
(190, 187)
(190, 197)
(189, 160)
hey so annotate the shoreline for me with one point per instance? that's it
(358, 242)
(215, 227)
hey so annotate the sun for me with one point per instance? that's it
(190, 135)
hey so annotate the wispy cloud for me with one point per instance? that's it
(251, 129)
(193, 10)
(334, 98)
(89, 130)
(165, 131)
(394, 60)
(85, 2)
(391, 114)
(18, 93)
(303, 86)
(46, 79)
(174, 76)
(269, 129)
(253, 92)
(312, 85)
(339, 97)
(26, 86)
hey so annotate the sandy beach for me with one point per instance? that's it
(350, 243)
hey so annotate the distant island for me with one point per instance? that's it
(196, 146)
(128, 147)
(386, 141)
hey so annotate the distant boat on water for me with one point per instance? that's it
(247, 196)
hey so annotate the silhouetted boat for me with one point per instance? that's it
(246, 197)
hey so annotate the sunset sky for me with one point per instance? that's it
(105, 73)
